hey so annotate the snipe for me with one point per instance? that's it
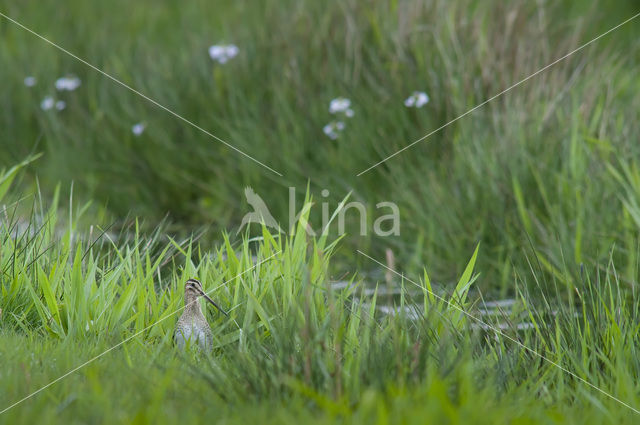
(192, 326)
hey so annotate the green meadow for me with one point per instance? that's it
(508, 294)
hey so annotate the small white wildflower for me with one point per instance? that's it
(30, 81)
(339, 104)
(231, 50)
(222, 53)
(349, 113)
(138, 128)
(67, 83)
(60, 105)
(216, 52)
(328, 130)
(333, 128)
(417, 99)
(422, 99)
(47, 103)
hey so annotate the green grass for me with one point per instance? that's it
(294, 348)
(101, 228)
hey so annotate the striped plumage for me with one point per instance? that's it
(192, 327)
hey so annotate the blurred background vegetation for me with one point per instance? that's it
(532, 168)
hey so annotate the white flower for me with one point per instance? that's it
(60, 105)
(67, 83)
(339, 104)
(417, 99)
(30, 81)
(47, 103)
(216, 52)
(138, 128)
(328, 130)
(333, 128)
(421, 99)
(222, 53)
(231, 50)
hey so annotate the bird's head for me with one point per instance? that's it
(193, 290)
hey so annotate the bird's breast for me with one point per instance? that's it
(191, 333)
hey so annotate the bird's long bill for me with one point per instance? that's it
(212, 302)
